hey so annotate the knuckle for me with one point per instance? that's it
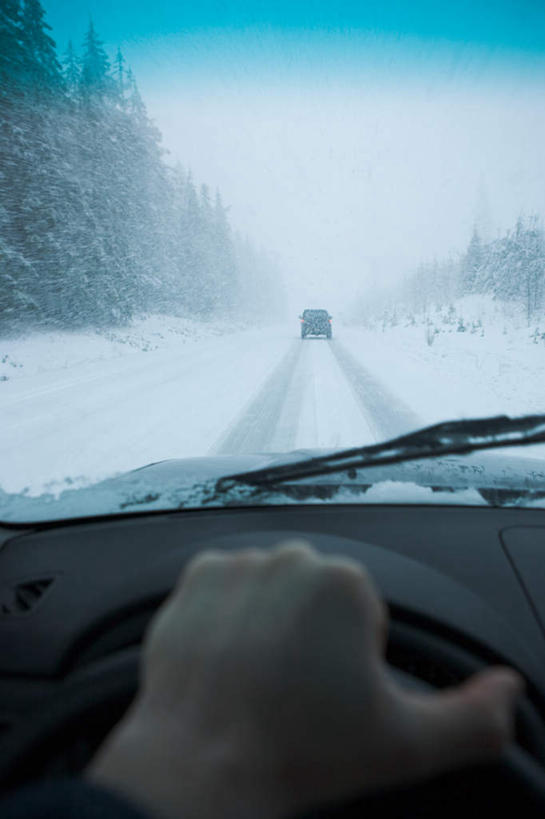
(217, 564)
(343, 575)
(207, 561)
(292, 551)
(209, 558)
(250, 556)
(352, 580)
(347, 574)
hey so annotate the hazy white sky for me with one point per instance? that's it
(352, 184)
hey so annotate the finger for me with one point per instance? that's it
(293, 551)
(291, 562)
(219, 568)
(207, 562)
(202, 573)
(353, 579)
(468, 724)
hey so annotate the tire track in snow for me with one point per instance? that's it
(386, 414)
(330, 416)
(256, 428)
(284, 435)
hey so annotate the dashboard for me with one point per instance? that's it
(465, 587)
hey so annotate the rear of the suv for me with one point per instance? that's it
(315, 323)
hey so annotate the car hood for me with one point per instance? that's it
(499, 479)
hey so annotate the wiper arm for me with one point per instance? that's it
(447, 438)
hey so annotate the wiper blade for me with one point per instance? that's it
(447, 438)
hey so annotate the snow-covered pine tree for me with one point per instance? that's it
(227, 280)
(472, 265)
(33, 174)
(12, 50)
(120, 77)
(94, 225)
(96, 81)
(71, 71)
(46, 73)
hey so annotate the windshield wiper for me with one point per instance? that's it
(447, 438)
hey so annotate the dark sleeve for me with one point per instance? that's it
(68, 799)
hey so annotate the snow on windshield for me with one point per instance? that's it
(222, 238)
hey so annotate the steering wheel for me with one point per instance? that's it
(62, 738)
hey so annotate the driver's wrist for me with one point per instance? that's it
(174, 776)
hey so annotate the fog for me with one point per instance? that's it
(351, 189)
(353, 183)
(351, 153)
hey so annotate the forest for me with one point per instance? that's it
(508, 269)
(96, 226)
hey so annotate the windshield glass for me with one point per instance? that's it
(233, 236)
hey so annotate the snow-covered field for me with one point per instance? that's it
(460, 374)
(78, 407)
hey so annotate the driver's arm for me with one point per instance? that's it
(70, 799)
(264, 692)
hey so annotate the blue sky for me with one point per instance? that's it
(187, 46)
(510, 24)
(302, 41)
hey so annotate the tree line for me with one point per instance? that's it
(510, 269)
(95, 226)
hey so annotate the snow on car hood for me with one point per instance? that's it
(483, 479)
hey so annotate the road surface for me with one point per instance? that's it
(251, 391)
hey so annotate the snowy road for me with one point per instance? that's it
(251, 391)
(318, 395)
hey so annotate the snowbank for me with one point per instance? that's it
(473, 359)
(43, 352)
(85, 406)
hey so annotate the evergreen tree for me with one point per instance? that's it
(96, 82)
(71, 71)
(120, 76)
(206, 203)
(13, 54)
(135, 103)
(509, 269)
(45, 68)
(94, 226)
(472, 264)
(228, 284)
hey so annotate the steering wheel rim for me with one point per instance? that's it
(113, 681)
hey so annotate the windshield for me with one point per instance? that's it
(235, 236)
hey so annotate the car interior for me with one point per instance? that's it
(463, 586)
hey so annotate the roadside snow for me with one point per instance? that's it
(79, 407)
(84, 407)
(48, 352)
(458, 375)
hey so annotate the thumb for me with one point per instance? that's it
(467, 724)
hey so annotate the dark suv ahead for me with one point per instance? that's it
(315, 323)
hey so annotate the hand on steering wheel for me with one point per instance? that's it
(264, 691)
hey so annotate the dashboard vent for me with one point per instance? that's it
(23, 597)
